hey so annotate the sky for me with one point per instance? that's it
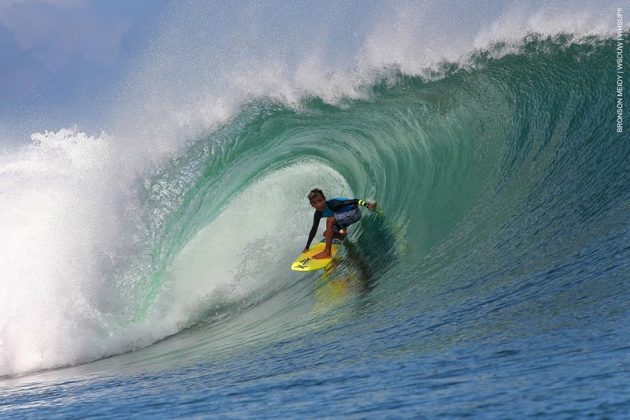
(59, 58)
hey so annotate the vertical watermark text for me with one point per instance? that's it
(619, 73)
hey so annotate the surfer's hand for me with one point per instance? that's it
(371, 205)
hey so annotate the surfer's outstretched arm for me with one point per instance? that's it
(337, 204)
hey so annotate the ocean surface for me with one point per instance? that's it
(493, 283)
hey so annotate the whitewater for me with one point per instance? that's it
(145, 269)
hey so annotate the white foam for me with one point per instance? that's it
(548, 19)
(57, 224)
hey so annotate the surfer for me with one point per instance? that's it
(340, 213)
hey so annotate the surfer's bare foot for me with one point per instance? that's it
(322, 255)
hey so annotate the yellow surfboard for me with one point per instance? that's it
(306, 262)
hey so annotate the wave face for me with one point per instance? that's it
(498, 267)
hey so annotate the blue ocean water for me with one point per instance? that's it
(493, 284)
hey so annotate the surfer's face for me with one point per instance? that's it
(318, 202)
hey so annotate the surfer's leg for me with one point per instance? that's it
(339, 232)
(326, 253)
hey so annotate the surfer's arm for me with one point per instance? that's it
(337, 204)
(316, 218)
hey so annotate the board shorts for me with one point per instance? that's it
(345, 219)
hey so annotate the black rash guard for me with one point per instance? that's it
(332, 206)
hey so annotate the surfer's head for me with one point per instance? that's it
(317, 199)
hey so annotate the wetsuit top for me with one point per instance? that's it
(336, 205)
